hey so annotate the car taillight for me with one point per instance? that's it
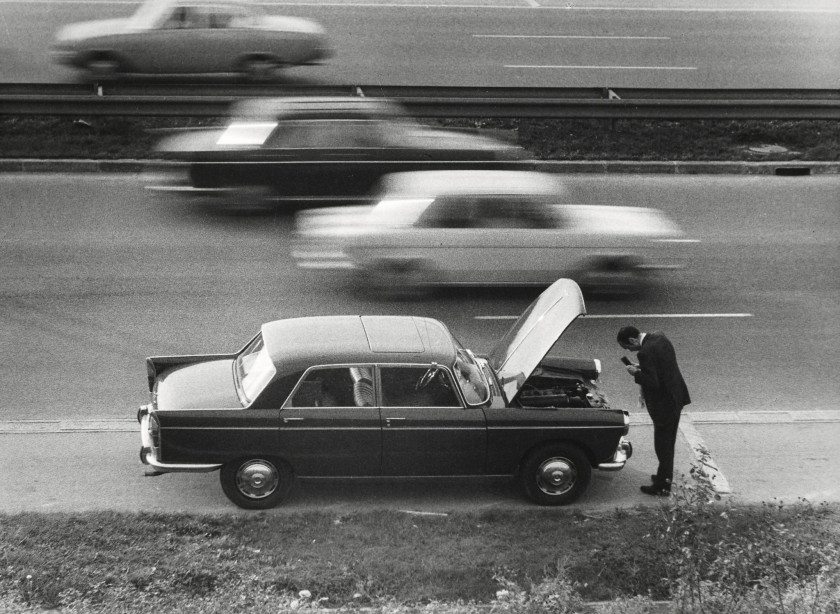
(143, 411)
(154, 431)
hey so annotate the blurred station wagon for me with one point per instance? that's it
(485, 228)
(176, 37)
(394, 397)
(306, 149)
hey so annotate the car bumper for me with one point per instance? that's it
(149, 453)
(623, 452)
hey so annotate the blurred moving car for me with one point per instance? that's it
(167, 37)
(485, 228)
(386, 396)
(319, 149)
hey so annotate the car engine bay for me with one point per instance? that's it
(551, 389)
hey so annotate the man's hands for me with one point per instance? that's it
(633, 369)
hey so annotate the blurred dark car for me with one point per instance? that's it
(319, 149)
(169, 37)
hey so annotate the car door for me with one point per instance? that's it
(500, 239)
(177, 44)
(426, 429)
(310, 159)
(353, 156)
(330, 425)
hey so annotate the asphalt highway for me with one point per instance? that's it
(545, 43)
(97, 273)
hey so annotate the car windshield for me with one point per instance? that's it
(252, 370)
(470, 378)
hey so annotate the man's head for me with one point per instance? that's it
(630, 338)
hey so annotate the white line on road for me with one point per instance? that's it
(602, 67)
(624, 38)
(613, 316)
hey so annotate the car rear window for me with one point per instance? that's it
(247, 133)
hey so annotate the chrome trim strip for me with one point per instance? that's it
(334, 428)
(509, 428)
(219, 428)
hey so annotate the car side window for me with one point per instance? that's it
(221, 18)
(417, 386)
(187, 17)
(447, 212)
(335, 387)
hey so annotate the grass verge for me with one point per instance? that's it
(640, 140)
(701, 554)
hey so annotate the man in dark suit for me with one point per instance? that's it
(665, 394)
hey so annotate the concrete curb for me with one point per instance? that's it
(782, 168)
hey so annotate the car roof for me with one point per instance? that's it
(439, 183)
(316, 107)
(296, 344)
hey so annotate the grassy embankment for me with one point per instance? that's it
(701, 554)
(648, 140)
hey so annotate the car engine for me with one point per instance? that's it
(545, 389)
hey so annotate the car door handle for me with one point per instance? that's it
(389, 420)
(292, 419)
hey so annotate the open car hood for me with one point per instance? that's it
(527, 342)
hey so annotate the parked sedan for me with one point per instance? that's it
(481, 228)
(318, 149)
(167, 37)
(388, 397)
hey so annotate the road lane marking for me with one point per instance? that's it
(623, 38)
(614, 316)
(552, 66)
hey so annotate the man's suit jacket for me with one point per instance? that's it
(662, 383)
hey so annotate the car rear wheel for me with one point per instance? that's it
(398, 280)
(613, 276)
(259, 67)
(556, 474)
(256, 483)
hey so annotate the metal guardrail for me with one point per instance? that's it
(196, 100)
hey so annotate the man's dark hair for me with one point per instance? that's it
(626, 332)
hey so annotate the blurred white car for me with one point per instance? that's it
(191, 37)
(485, 228)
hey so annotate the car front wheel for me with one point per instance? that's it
(256, 483)
(556, 474)
(104, 66)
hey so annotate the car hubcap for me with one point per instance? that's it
(257, 479)
(556, 476)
